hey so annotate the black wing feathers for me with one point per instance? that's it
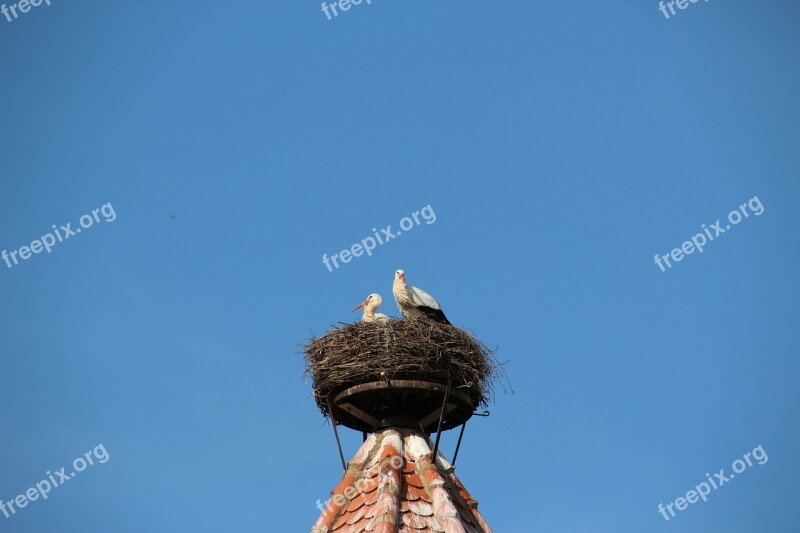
(434, 314)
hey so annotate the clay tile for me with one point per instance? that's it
(385, 500)
(354, 518)
(421, 508)
(414, 493)
(414, 480)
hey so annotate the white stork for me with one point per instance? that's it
(370, 305)
(414, 302)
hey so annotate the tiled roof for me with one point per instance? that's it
(392, 486)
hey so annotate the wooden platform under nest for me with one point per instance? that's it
(399, 373)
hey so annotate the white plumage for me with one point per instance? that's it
(414, 302)
(370, 305)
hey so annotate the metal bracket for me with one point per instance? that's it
(336, 433)
(458, 445)
(441, 419)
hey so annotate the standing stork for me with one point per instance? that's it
(414, 302)
(370, 305)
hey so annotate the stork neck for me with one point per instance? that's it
(400, 290)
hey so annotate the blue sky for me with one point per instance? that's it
(561, 145)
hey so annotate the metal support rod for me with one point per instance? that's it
(336, 433)
(441, 419)
(458, 445)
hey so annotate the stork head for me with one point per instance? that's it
(400, 275)
(372, 302)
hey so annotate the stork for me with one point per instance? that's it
(414, 302)
(370, 305)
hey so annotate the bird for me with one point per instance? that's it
(413, 302)
(370, 305)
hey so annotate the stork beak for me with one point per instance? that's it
(359, 306)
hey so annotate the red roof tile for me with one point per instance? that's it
(392, 486)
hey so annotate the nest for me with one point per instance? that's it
(399, 349)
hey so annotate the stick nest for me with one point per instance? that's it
(399, 349)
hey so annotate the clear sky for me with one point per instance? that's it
(561, 145)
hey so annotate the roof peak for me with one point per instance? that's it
(393, 485)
